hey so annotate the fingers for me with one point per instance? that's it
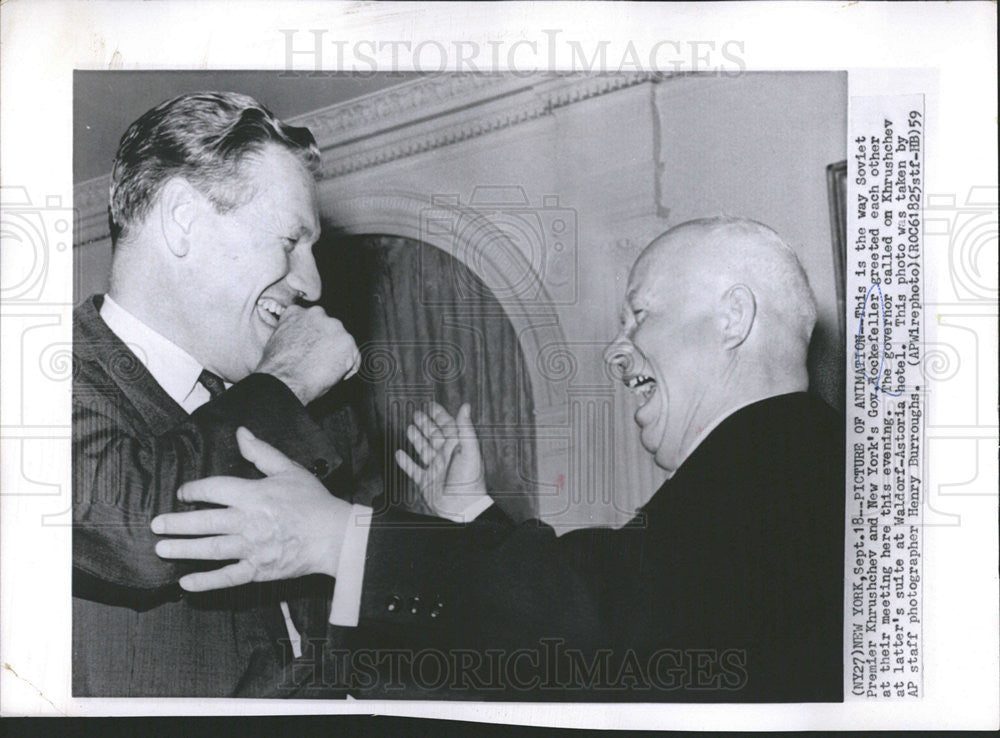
(441, 416)
(410, 467)
(420, 444)
(216, 521)
(228, 576)
(213, 548)
(431, 430)
(435, 437)
(264, 456)
(355, 365)
(449, 448)
(218, 490)
(460, 426)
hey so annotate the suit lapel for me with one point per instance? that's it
(94, 341)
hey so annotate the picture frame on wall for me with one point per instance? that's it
(836, 182)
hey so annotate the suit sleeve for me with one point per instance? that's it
(490, 583)
(122, 478)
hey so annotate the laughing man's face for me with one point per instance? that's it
(663, 351)
(257, 261)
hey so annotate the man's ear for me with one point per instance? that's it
(179, 205)
(739, 310)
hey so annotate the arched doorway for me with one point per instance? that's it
(429, 329)
(524, 300)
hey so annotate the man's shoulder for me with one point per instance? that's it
(90, 333)
(102, 363)
(770, 444)
(792, 457)
(794, 419)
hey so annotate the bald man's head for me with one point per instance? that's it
(718, 314)
(723, 251)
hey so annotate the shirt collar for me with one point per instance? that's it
(173, 368)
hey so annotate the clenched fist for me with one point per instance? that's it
(310, 352)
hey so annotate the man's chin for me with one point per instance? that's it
(669, 468)
(650, 447)
(658, 450)
(250, 368)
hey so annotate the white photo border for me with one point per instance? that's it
(945, 51)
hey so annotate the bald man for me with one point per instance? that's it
(727, 585)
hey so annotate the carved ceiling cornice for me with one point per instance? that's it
(90, 201)
(418, 122)
(421, 115)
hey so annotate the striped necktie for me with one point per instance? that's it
(212, 382)
(215, 386)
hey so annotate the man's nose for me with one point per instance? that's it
(619, 356)
(304, 276)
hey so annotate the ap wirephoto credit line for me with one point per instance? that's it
(885, 176)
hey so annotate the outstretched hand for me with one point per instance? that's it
(450, 472)
(282, 526)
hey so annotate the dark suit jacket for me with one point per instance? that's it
(727, 586)
(134, 632)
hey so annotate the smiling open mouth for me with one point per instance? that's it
(270, 310)
(641, 385)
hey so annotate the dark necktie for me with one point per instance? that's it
(298, 609)
(212, 382)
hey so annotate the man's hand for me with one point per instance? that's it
(282, 526)
(310, 352)
(451, 475)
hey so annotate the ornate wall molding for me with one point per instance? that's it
(417, 99)
(427, 98)
(90, 201)
(468, 110)
(409, 119)
(527, 305)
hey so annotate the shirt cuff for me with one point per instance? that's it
(473, 511)
(346, 607)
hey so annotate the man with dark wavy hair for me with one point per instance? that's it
(213, 214)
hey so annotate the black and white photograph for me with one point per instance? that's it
(528, 377)
(473, 301)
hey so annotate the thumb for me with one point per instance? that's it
(264, 456)
(467, 432)
(449, 449)
(464, 417)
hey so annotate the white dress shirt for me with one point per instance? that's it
(173, 368)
